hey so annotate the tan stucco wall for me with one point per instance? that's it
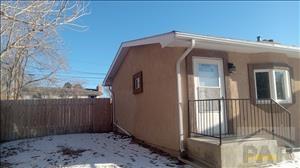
(238, 83)
(152, 115)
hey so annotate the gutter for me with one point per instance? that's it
(179, 95)
(243, 43)
(113, 113)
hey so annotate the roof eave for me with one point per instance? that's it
(179, 39)
(258, 46)
(163, 39)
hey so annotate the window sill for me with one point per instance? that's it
(284, 102)
(266, 101)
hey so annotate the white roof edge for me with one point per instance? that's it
(163, 39)
(166, 38)
(113, 63)
(181, 35)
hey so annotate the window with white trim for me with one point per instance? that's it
(273, 83)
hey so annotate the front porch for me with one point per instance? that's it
(238, 132)
(250, 152)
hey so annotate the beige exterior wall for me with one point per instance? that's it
(238, 82)
(151, 116)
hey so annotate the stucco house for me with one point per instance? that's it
(212, 100)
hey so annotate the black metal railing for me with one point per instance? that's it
(221, 118)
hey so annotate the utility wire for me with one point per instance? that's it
(75, 71)
(83, 77)
(70, 76)
(102, 73)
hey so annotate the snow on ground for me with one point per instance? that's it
(295, 163)
(105, 150)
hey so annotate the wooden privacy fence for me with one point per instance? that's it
(34, 118)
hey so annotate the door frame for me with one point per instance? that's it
(220, 62)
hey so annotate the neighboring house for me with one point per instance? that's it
(58, 93)
(207, 98)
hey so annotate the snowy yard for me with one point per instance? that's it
(295, 163)
(82, 150)
(106, 150)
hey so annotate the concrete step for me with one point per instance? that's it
(249, 152)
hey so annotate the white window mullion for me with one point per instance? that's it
(288, 87)
(273, 85)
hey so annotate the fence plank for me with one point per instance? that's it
(34, 118)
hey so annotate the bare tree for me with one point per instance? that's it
(30, 43)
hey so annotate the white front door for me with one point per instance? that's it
(209, 84)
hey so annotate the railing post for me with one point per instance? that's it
(220, 122)
(290, 127)
(272, 122)
(284, 111)
(189, 120)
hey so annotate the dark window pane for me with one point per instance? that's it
(262, 85)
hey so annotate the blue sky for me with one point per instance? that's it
(111, 23)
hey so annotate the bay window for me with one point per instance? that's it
(273, 83)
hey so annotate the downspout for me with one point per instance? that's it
(113, 113)
(179, 95)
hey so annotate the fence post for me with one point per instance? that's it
(220, 122)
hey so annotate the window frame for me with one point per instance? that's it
(272, 85)
(137, 76)
(255, 84)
